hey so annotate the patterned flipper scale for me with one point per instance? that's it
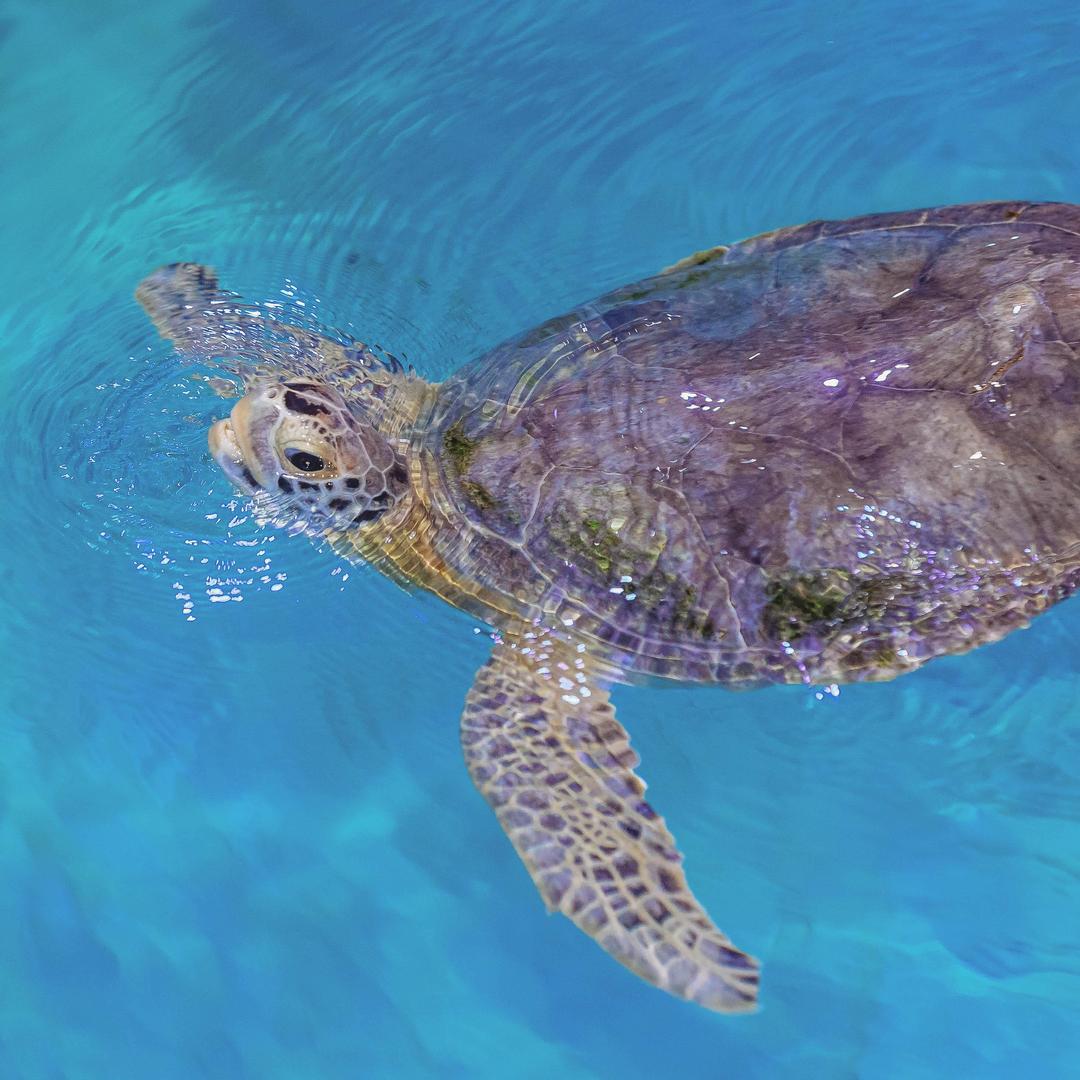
(544, 748)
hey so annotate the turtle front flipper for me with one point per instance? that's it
(178, 298)
(544, 748)
(189, 308)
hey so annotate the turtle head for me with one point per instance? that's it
(301, 443)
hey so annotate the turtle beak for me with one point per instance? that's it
(226, 451)
(243, 445)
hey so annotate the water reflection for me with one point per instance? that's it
(217, 853)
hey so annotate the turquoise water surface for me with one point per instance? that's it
(236, 835)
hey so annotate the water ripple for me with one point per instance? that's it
(431, 183)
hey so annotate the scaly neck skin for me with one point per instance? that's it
(395, 403)
(409, 542)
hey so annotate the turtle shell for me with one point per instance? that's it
(825, 453)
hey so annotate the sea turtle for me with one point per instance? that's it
(824, 454)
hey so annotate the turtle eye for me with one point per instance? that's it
(304, 460)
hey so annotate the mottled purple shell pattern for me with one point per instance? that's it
(830, 452)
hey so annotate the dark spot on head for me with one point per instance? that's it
(306, 485)
(352, 482)
(298, 404)
(382, 500)
(367, 515)
(248, 478)
(284, 485)
(339, 504)
(399, 473)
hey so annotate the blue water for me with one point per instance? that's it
(236, 836)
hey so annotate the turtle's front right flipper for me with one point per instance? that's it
(189, 308)
(544, 748)
(186, 304)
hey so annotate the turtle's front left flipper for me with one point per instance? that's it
(544, 748)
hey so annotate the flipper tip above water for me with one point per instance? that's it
(177, 295)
